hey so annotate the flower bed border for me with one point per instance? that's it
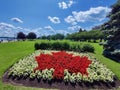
(59, 84)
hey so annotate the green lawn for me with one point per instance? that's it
(11, 52)
(114, 66)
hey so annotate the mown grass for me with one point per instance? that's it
(9, 54)
(13, 51)
(113, 65)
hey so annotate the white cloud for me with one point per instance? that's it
(48, 28)
(16, 20)
(54, 20)
(70, 19)
(5, 26)
(62, 5)
(62, 32)
(65, 5)
(70, 3)
(74, 27)
(96, 14)
(8, 30)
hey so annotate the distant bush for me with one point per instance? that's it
(64, 45)
(75, 47)
(87, 48)
(57, 46)
(45, 45)
(36, 46)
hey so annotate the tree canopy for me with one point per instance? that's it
(86, 35)
(31, 35)
(112, 28)
(53, 37)
(21, 35)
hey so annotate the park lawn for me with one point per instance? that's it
(13, 51)
(114, 66)
(9, 54)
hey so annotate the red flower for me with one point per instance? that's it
(61, 61)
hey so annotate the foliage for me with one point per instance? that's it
(36, 46)
(112, 28)
(86, 35)
(64, 45)
(87, 47)
(96, 70)
(57, 46)
(57, 36)
(21, 35)
(44, 45)
(31, 35)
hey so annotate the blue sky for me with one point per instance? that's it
(46, 17)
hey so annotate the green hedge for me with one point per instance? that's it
(64, 45)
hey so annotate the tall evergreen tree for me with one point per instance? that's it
(112, 28)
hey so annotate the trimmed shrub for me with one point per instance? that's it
(45, 45)
(75, 47)
(36, 46)
(64, 45)
(88, 48)
(57, 46)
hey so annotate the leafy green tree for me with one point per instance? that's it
(86, 35)
(31, 35)
(21, 35)
(43, 37)
(54, 37)
(57, 36)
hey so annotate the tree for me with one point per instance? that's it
(58, 36)
(112, 29)
(80, 30)
(86, 35)
(43, 37)
(31, 35)
(54, 37)
(21, 35)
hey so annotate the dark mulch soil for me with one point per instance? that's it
(57, 84)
